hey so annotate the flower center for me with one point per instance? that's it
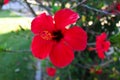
(57, 35)
(46, 35)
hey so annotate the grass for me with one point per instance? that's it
(15, 65)
(11, 22)
(7, 13)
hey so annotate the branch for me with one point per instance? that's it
(92, 32)
(103, 64)
(81, 65)
(46, 8)
(96, 10)
(79, 3)
(69, 75)
(88, 66)
(106, 63)
(31, 8)
(89, 44)
(21, 3)
(15, 51)
(91, 8)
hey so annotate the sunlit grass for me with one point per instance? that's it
(12, 24)
(9, 21)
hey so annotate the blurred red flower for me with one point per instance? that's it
(96, 71)
(117, 9)
(102, 45)
(53, 39)
(99, 71)
(6, 1)
(118, 6)
(51, 71)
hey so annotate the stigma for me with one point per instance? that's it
(46, 35)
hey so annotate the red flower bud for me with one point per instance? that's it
(99, 71)
(51, 71)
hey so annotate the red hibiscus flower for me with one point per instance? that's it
(51, 71)
(118, 6)
(53, 39)
(6, 1)
(102, 45)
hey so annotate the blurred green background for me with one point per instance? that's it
(15, 63)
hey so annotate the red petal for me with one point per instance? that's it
(41, 23)
(6, 1)
(76, 37)
(101, 54)
(65, 17)
(99, 44)
(62, 55)
(40, 47)
(102, 37)
(106, 45)
(118, 6)
(51, 71)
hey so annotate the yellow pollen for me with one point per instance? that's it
(46, 35)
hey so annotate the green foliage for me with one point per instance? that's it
(1, 3)
(15, 64)
(115, 40)
(7, 14)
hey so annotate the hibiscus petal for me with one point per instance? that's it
(65, 17)
(40, 47)
(99, 44)
(62, 55)
(76, 37)
(106, 45)
(42, 22)
(101, 54)
(102, 37)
